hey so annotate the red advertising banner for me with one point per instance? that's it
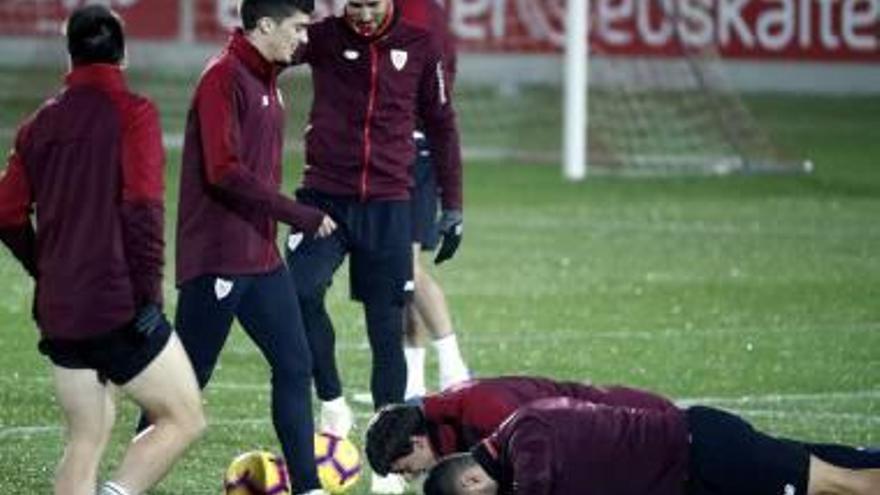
(758, 29)
(146, 19)
(826, 30)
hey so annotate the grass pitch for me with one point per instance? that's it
(757, 294)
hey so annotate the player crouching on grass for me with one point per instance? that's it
(564, 446)
(98, 265)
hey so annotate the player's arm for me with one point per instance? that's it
(438, 116)
(143, 207)
(16, 229)
(220, 133)
(531, 455)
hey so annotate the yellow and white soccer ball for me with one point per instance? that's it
(257, 473)
(339, 463)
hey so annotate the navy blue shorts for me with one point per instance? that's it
(118, 356)
(729, 457)
(424, 198)
(377, 235)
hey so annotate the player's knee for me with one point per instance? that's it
(186, 415)
(295, 372)
(311, 298)
(191, 424)
(85, 446)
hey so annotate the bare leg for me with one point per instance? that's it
(828, 479)
(89, 412)
(168, 392)
(429, 300)
(433, 315)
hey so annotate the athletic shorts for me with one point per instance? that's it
(729, 457)
(424, 198)
(117, 356)
(377, 237)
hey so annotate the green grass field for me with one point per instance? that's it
(757, 294)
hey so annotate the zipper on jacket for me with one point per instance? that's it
(371, 103)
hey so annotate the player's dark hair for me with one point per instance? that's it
(443, 478)
(253, 10)
(389, 434)
(94, 36)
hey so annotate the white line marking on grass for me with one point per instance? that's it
(26, 431)
(781, 398)
(36, 430)
(809, 415)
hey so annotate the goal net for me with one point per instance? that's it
(659, 101)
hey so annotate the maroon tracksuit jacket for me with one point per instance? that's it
(230, 180)
(459, 417)
(564, 446)
(369, 92)
(91, 161)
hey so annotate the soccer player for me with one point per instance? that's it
(410, 438)
(563, 446)
(91, 162)
(427, 314)
(374, 74)
(228, 264)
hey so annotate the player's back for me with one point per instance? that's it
(73, 156)
(563, 446)
(468, 412)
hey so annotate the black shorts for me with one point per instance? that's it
(118, 356)
(377, 237)
(729, 457)
(424, 198)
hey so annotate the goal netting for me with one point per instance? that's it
(660, 105)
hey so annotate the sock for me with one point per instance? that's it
(111, 488)
(415, 372)
(335, 404)
(452, 367)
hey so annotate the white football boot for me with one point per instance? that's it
(391, 484)
(336, 417)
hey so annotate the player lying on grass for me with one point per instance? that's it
(410, 438)
(565, 446)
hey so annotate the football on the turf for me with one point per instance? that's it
(339, 462)
(257, 473)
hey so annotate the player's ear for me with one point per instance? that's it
(266, 25)
(419, 441)
(470, 479)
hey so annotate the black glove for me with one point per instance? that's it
(147, 319)
(451, 227)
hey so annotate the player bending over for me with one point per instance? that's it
(410, 438)
(564, 446)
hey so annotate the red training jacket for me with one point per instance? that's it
(91, 161)
(230, 181)
(368, 94)
(459, 417)
(564, 446)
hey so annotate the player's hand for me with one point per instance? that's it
(326, 228)
(451, 227)
(147, 319)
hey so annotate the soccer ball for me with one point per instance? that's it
(257, 473)
(339, 462)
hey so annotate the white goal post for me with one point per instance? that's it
(576, 100)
